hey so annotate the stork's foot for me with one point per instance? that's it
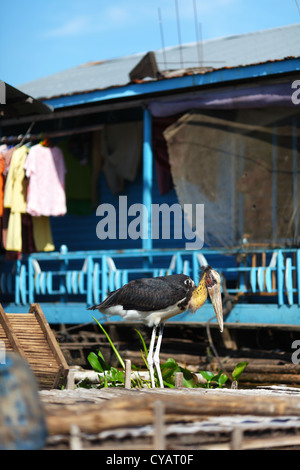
(151, 370)
(157, 365)
(153, 357)
(154, 362)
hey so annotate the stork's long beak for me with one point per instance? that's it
(216, 300)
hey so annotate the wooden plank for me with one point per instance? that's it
(135, 408)
(60, 373)
(30, 336)
(12, 337)
(53, 345)
(49, 335)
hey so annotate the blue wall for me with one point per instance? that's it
(78, 232)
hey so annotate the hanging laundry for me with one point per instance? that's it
(5, 219)
(28, 244)
(46, 170)
(5, 159)
(122, 150)
(15, 194)
(2, 168)
(78, 180)
(114, 181)
(161, 155)
(42, 234)
(97, 162)
(7, 154)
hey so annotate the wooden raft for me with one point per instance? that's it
(30, 336)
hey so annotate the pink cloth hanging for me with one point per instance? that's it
(46, 170)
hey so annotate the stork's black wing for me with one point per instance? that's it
(150, 294)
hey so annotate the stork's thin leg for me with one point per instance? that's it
(150, 356)
(156, 355)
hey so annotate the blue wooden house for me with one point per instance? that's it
(219, 129)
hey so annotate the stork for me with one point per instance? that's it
(154, 300)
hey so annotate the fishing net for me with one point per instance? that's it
(243, 166)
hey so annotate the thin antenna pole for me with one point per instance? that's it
(179, 34)
(296, 1)
(201, 43)
(162, 38)
(197, 33)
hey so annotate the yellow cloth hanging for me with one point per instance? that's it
(15, 195)
(42, 234)
(14, 232)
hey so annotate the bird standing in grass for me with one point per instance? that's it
(154, 300)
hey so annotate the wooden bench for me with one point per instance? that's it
(30, 335)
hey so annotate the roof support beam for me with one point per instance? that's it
(147, 179)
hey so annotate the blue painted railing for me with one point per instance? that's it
(88, 276)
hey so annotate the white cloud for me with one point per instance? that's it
(72, 27)
(103, 20)
(120, 14)
(116, 14)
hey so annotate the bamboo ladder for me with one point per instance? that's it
(30, 335)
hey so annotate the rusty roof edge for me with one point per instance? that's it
(190, 73)
(116, 97)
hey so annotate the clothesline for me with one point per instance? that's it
(32, 190)
(49, 135)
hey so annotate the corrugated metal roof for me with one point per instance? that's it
(231, 51)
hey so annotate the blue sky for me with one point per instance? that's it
(39, 38)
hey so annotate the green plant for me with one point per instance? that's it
(111, 377)
(237, 371)
(144, 352)
(112, 344)
(213, 379)
(220, 378)
(169, 369)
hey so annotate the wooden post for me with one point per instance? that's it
(75, 439)
(236, 439)
(159, 426)
(70, 385)
(127, 373)
(234, 385)
(178, 379)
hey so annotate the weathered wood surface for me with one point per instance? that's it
(95, 411)
(201, 419)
